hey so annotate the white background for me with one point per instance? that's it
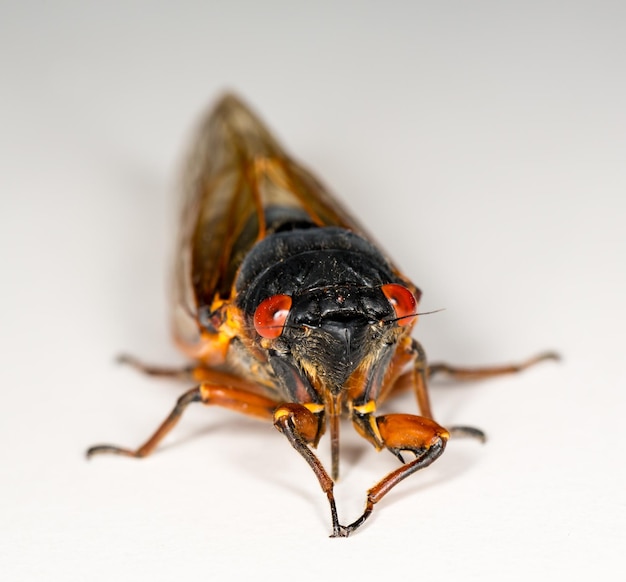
(483, 143)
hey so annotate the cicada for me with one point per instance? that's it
(291, 314)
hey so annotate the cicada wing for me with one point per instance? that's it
(236, 170)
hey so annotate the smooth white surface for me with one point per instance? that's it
(483, 143)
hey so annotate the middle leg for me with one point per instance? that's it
(236, 399)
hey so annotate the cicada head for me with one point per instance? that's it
(326, 306)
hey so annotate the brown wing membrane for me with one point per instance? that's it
(236, 169)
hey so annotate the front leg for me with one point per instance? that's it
(401, 433)
(302, 428)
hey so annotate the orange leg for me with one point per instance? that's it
(418, 377)
(419, 435)
(421, 372)
(184, 373)
(301, 426)
(400, 433)
(459, 373)
(198, 372)
(234, 398)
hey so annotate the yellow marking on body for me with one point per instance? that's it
(266, 343)
(210, 349)
(374, 427)
(367, 408)
(314, 408)
(234, 320)
(280, 412)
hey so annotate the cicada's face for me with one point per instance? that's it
(322, 305)
(321, 337)
(330, 333)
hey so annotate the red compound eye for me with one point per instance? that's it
(402, 301)
(271, 314)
